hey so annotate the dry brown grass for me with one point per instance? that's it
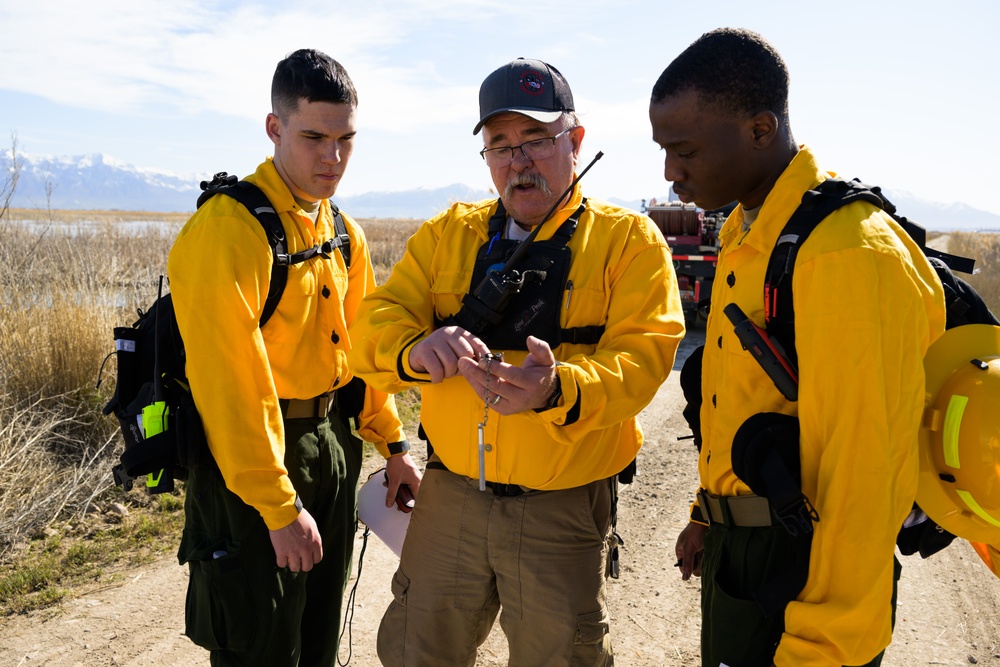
(66, 279)
(72, 217)
(62, 288)
(985, 249)
(387, 239)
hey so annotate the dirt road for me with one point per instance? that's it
(949, 605)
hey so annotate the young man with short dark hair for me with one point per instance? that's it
(270, 519)
(867, 306)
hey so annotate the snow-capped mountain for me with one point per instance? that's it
(101, 182)
(98, 181)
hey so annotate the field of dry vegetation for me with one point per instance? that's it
(66, 279)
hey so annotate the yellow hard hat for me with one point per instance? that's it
(960, 434)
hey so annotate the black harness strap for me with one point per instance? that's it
(830, 195)
(257, 203)
(586, 335)
(779, 311)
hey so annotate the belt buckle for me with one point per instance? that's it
(706, 509)
(505, 490)
(323, 404)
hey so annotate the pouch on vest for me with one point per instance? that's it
(533, 290)
(765, 455)
(534, 310)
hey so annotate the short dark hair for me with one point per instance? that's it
(313, 75)
(731, 69)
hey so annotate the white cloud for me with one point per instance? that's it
(911, 107)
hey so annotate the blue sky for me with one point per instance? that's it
(901, 94)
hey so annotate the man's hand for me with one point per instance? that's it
(402, 477)
(689, 549)
(298, 546)
(439, 353)
(520, 388)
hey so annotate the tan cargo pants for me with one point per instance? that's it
(540, 557)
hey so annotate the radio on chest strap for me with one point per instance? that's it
(536, 286)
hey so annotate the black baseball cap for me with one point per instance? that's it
(530, 87)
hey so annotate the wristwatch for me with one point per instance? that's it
(554, 397)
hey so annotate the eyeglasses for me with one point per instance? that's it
(536, 149)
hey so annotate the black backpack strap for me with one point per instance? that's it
(919, 234)
(963, 305)
(590, 335)
(779, 311)
(341, 240)
(257, 203)
(497, 220)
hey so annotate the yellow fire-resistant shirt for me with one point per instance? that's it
(867, 306)
(219, 270)
(622, 278)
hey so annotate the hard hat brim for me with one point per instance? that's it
(957, 347)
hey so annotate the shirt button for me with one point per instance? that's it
(713, 400)
(326, 292)
(720, 342)
(335, 338)
(731, 279)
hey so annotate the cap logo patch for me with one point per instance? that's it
(532, 83)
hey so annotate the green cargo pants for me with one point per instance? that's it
(737, 562)
(240, 605)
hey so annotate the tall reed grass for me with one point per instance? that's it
(62, 290)
(66, 280)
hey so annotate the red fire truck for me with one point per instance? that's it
(692, 235)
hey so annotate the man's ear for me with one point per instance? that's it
(576, 138)
(272, 125)
(764, 127)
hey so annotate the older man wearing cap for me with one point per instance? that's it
(537, 326)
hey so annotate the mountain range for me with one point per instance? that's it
(100, 182)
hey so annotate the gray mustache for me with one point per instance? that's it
(528, 178)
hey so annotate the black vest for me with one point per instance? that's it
(534, 310)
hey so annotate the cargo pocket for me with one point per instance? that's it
(740, 633)
(391, 638)
(218, 611)
(400, 584)
(591, 628)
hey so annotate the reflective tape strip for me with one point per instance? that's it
(153, 480)
(124, 345)
(952, 428)
(696, 258)
(977, 508)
